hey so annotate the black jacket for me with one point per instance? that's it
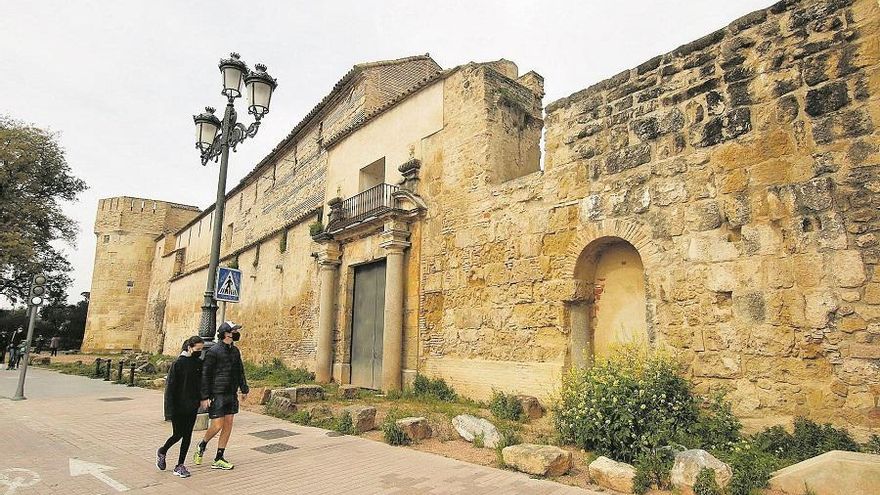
(223, 371)
(182, 387)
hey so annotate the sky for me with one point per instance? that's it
(120, 79)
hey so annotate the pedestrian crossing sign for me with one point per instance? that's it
(228, 286)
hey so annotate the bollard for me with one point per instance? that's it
(107, 376)
(131, 376)
(119, 377)
(97, 367)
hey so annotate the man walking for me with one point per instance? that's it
(53, 345)
(39, 344)
(222, 377)
(14, 342)
(4, 335)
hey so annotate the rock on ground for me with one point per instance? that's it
(541, 460)
(688, 465)
(308, 393)
(531, 406)
(347, 392)
(320, 411)
(832, 473)
(282, 404)
(416, 428)
(470, 426)
(611, 474)
(363, 418)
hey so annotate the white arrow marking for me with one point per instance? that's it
(11, 479)
(78, 467)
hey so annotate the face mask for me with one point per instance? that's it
(195, 354)
(236, 336)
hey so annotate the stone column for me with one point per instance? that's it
(394, 241)
(328, 262)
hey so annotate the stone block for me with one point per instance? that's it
(158, 383)
(688, 465)
(319, 412)
(826, 99)
(531, 406)
(832, 473)
(347, 392)
(848, 268)
(539, 460)
(304, 393)
(258, 396)
(282, 404)
(613, 475)
(865, 351)
(415, 428)
(363, 418)
(470, 426)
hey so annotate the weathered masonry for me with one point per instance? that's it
(719, 201)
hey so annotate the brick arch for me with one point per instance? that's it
(635, 233)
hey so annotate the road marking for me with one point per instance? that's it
(15, 478)
(79, 467)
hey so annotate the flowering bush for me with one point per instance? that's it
(626, 405)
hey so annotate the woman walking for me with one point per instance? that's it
(182, 394)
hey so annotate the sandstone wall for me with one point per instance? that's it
(744, 169)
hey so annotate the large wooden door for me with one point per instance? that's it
(368, 314)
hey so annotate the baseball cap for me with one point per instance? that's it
(227, 326)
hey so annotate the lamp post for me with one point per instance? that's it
(259, 86)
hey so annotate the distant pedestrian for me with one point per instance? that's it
(182, 392)
(53, 345)
(4, 339)
(222, 378)
(14, 341)
(39, 344)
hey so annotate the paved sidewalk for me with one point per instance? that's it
(68, 417)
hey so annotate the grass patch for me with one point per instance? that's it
(276, 374)
(506, 406)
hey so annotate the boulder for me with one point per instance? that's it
(258, 396)
(147, 368)
(347, 392)
(470, 426)
(613, 475)
(158, 383)
(688, 465)
(289, 393)
(363, 418)
(832, 473)
(531, 406)
(307, 393)
(319, 412)
(540, 460)
(282, 404)
(416, 428)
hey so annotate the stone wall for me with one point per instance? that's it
(744, 169)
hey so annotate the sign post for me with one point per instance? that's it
(228, 286)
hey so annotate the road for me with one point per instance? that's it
(78, 436)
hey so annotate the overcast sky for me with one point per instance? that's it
(120, 80)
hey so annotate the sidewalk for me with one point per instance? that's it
(95, 422)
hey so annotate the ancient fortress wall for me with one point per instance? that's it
(126, 230)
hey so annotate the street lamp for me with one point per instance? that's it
(212, 145)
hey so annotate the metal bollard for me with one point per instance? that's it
(131, 376)
(107, 375)
(98, 367)
(119, 376)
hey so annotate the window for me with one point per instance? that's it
(106, 239)
(372, 175)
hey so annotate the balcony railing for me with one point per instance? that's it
(362, 206)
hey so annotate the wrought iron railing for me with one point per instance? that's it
(362, 206)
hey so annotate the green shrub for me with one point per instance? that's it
(301, 418)
(872, 446)
(433, 388)
(705, 483)
(625, 406)
(392, 433)
(479, 440)
(277, 373)
(652, 469)
(344, 424)
(716, 428)
(315, 228)
(751, 467)
(506, 406)
(809, 439)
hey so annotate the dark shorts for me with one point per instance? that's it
(223, 405)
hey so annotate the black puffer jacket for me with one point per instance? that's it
(183, 387)
(223, 371)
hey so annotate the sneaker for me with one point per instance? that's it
(222, 464)
(197, 457)
(160, 460)
(181, 471)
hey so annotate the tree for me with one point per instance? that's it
(68, 321)
(34, 179)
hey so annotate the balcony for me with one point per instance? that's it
(362, 207)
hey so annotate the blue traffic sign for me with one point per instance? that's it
(228, 286)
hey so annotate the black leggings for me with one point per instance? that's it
(182, 428)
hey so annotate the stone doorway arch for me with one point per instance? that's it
(611, 307)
